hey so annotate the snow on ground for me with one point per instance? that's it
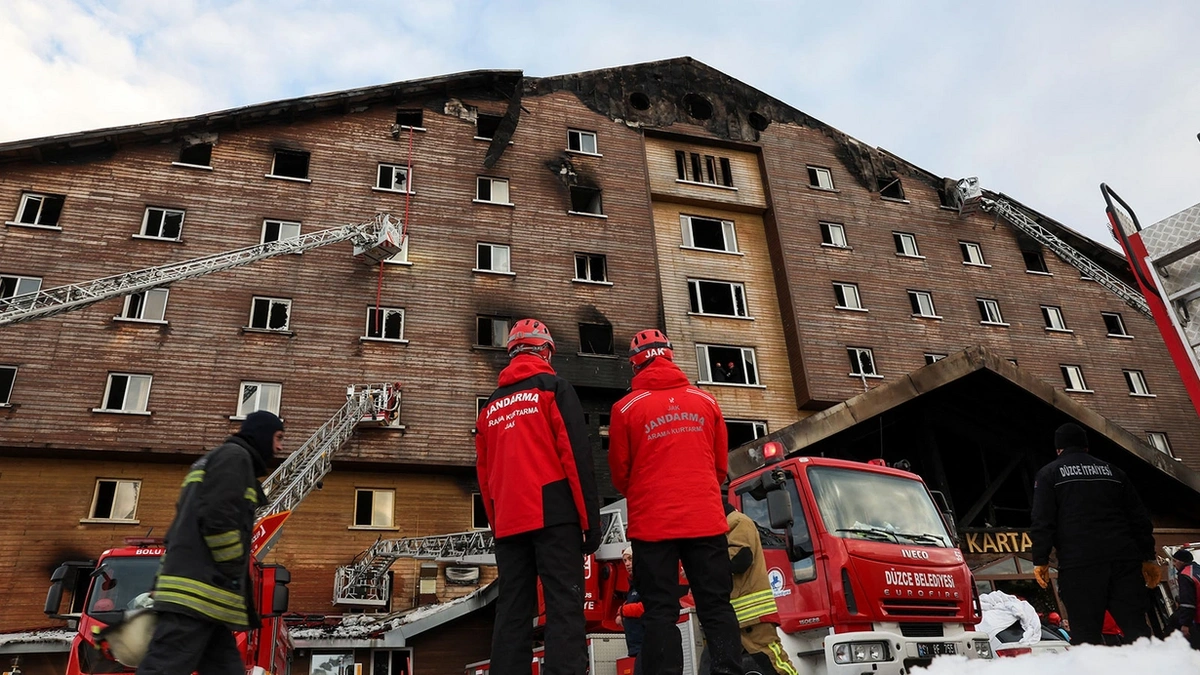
(1172, 655)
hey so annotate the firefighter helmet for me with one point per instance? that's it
(647, 346)
(530, 335)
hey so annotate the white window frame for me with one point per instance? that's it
(986, 307)
(855, 355)
(401, 256)
(587, 278)
(25, 197)
(903, 240)
(307, 166)
(1073, 379)
(735, 289)
(492, 183)
(758, 425)
(1159, 441)
(580, 134)
(749, 366)
(972, 250)
(728, 233)
(1054, 319)
(134, 484)
(255, 399)
(824, 178)
(161, 213)
(139, 406)
(164, 293)
(396, 169)
(6, 396)
(502, 335)
(924, 302)
(1042, 258)
(1124, 335)
(492, 249)
(386, 312)
(835, 231)
(391, 513)
(281, 223)
(842, 293)
(932, 358)
(1136, 381)
(271, 303)
(343, 668)
(18, 282)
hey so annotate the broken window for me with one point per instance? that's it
(148, 305)
(411, 118)
(741, 432)
(492, 258)
(586, 200)
(1054, 318)
(708, 233)
(1136, 380)
(591, 267)
(696, 168)
(847, 296)
(1114, 324)
(596, 338)
(493, 190)
(255, 396)
(931, 359)
(862, 362)
(386, 323)
(722, 298)
(290, 164)
(126, 393)
(40, 209)
(922, 304)
(199, 154)
(486, 126)
(727, 365)
(890, 188)
(989, 312)
(270, 313)
(278, 230)
(1035, 262)
(581, 141)
(833, 234)
(115, 500)
(393, 177)
(906, 244)
(8, 376)
(1073, 378)
(820, 177)
(1158, 441)
(162, 223)
(972, 253)
(18, 292)
(491, 331)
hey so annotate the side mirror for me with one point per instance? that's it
(275, 579)
(64, 576)
(54, 598)
(279, 602)
(779, 509)
(947, 513)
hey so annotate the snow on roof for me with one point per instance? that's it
(49, 639)
(354, 627)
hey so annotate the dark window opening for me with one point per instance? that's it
(639, 101)
(696, 171)
(1114, 324)
(487, 125)
(891, 188)
(363, 505)
(759, 122)
(586, 200)
(833, 234)
(726, 172)
(1035, 262)
(931, 359)
(819, 177)
(733, 365)
(681, 164)
(591, 267)
(862, 361)
(697, 106)
(717, 297)
(386, 324)
(291, 164)
(8, 376)
(596, 338)
(741, 433)
(708, 233)
(116, 392)
(41, 209)
(199, 154)
(479, 520)
(106, 490)
(269, 314)
(710, 165)
(410, 118)
(491, 331)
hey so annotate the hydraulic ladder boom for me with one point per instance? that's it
(374, 240)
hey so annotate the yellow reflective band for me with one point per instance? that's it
(753, 598)
(203, 606)
(223, 539)
(780, 660)
(196, 476)
(221, 595)
(231, 552)
(251, 494)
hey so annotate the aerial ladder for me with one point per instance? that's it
(365, 582)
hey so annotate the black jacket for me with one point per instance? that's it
(1185, 615)
(1087, 509)
(205, 571)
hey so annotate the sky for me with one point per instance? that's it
(1040, 100)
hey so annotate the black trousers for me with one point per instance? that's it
(183, 644)
(1114, 586)
(706, 562)
(555, 555)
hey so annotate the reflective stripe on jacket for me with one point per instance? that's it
(752, 599)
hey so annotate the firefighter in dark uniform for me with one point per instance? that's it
(1184, 617)
(1088, 511)
(203, 588)
(539, 490)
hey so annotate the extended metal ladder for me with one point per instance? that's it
(374, 240)
(969, 199)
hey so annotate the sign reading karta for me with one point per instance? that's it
(996, 541)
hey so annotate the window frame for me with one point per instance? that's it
(492, 181)
(391, 524)
(1165, 448)
(124, 409)
(93, 518)
(985, 316)
(124, 315)
(193, 165)
(705, 366)
(611, 336)
(401, 256)
(288, 151)
(492, 247)
(5, 302)
(933, 357)
(1135, 380)
(734, 286)
(755, 424)
(914, 299)
(855, 356)
(1067, 371)
(272, 301)
(478, 116)
(899, 239)
(827, 230)
(408, 186)
(728, 232)
(580, 133)
(587, 258)
(1041, 258)
(839, 288)
(597, 199)
(418, 111)
(1048, 314)
(43, 196)
(241, 414)
(382, 337)
(965, 246)
(1124, 334)
(279, 232)
(493, 318)
(816, 173)
(164, 212)
(6, 396)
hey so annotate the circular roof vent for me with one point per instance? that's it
(697, 106)
(639, 100)
(759, 122)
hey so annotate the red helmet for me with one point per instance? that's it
(530, 335)
(647, 346)
(1054, 618)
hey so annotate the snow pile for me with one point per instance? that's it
(45, 636)
(1172, 655)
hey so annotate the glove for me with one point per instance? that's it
(1152, 573)
(1042, 574)
(591, 540)
(632, 610)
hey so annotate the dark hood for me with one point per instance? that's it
(258, 429)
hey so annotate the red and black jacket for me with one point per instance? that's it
(532, 453)
(668, 451)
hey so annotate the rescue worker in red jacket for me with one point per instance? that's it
(668, 452)
(539, 490)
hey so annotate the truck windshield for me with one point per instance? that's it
(120, 584)
(868, 505)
